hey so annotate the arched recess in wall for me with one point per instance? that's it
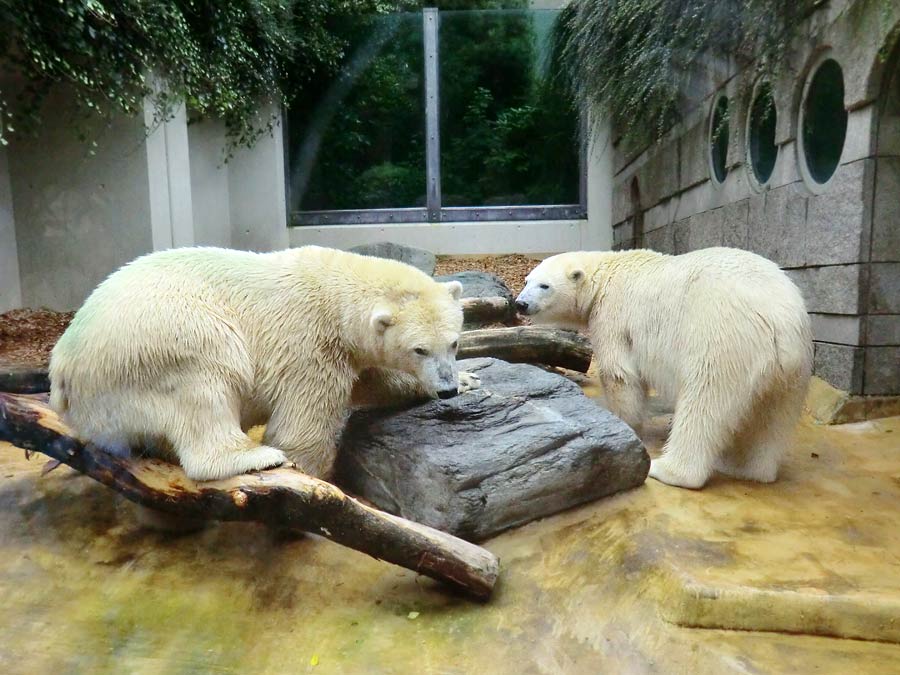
(762, 121)
(822, 123)
(638, 217)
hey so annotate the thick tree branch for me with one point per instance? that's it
(280, 497)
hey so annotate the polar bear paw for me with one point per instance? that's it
(468, 382)
(664, 472)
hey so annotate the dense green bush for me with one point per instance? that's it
(224, 58)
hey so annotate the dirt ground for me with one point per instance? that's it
(27, 335)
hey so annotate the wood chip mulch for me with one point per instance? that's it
(511, 268)
(27, 335)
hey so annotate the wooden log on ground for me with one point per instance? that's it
(280, 497)
(489, 309)
(24, 379)
(528, 344)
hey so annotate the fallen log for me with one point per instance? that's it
(528, 344)
(280, 497)
(24, 379)
(477, 311)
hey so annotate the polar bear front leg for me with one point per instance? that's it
(626, 399)
(305, 424)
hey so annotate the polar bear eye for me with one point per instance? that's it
(421, 351)
(454, 345)
(543, 287)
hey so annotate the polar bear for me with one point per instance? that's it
(184, 350)
(721, 333)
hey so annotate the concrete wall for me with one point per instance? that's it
(10, 289)
(69, 216)
(209, 184)
(837, 242)
(78, 216)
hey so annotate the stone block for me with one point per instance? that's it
(525, 445)
(661, 239)
(623, 231)
(840, 365)
(836, 289)
(859, 142)
(786, 170)
(883, 330)
(882, 371)
(701, 231)
(661, 215)
(886, 210)
(417, 257)
(838, 219)
(694, 157)
(777, 225)
(622, 206)
(837, 328)
(735, 219)
(658, 178)
(884, 288)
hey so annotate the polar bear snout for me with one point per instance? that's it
(448, 393)
(522, 307)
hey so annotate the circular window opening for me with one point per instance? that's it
(718, 140)
(824, 124)
(761, 133)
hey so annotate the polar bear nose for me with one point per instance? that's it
(521, 306)
(447, 393)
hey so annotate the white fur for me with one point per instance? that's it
(184, 350)
(722, 333)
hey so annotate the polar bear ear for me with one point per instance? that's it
(455, 289)
(382, 317)
(576, 275)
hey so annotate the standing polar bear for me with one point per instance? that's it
(185, 349)
(720, 332)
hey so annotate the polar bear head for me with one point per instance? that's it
(554, 291)
(418, 333)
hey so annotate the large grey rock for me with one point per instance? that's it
(417, 257)
(525, 445)
(484, 285)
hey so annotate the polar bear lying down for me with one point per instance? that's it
(720, 332)
(186, 349)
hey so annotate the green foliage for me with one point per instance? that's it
(223, 58)
(508, 133)
(644, 62)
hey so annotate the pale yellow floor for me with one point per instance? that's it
(606, 588)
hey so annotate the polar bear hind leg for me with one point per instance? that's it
(759, 449)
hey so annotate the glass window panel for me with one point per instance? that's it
(508, 136)
(358, 140)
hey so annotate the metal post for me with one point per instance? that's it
(432, 115)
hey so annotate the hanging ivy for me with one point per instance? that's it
(644, 62)
(223, 58)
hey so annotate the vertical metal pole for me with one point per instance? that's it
(432, 115)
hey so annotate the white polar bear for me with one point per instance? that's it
(720, 332)
(186, 349)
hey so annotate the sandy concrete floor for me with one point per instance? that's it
(650, 581)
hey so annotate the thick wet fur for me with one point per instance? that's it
(184, 350)
(722, 333)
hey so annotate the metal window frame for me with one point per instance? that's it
(434, 211)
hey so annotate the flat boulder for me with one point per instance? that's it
(484, 285)
(417, 257)
(525, 445)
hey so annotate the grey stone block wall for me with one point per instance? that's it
(840, 243)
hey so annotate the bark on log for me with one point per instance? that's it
(24, 379)
(485, 310)
(281, 497)
(528, 344)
